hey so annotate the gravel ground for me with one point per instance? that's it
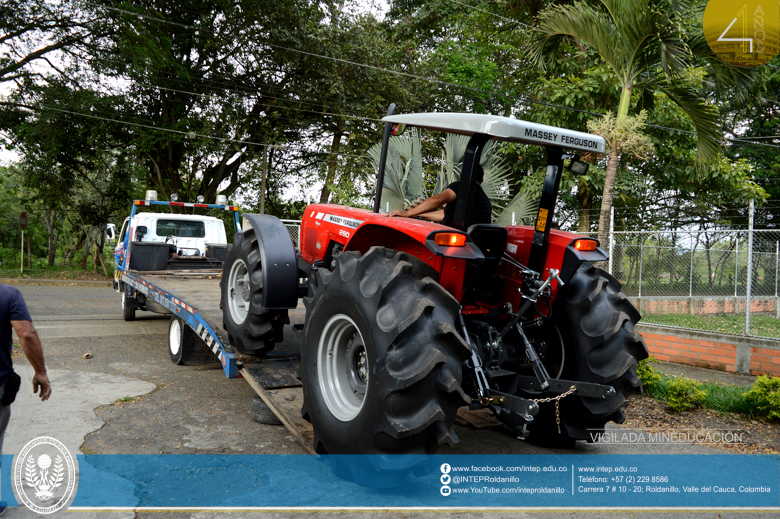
(199, 410)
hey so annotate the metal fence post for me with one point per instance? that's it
(611, 238)
(749, 286)
(690, 281)
(641, 256)
(736, 275)
(777, 269)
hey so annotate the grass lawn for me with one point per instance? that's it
(760, 325)
(55, 273)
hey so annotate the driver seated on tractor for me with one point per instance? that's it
(482, 210)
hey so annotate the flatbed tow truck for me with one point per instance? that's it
(192, 298)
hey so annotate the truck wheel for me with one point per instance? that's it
(382, 359)
(252, 329)
(184, 345)
(127, 310)
(596, 322)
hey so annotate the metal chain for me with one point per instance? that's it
(557, 400)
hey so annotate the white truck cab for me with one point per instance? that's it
(189, 233)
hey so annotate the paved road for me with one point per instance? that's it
(185, 409)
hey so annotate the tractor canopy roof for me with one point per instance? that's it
(502, 128)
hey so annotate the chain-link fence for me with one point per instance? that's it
(723, 281)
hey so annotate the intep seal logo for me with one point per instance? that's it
(44, 475)
(745, 34)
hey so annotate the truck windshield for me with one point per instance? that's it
(181, 228)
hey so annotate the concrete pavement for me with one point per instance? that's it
(69, 414)
(202, 410)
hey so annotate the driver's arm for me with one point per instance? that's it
(429, 205)
(434, 216)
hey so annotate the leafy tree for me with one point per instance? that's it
(646, 45)
(755, 128)
(74, 168)
(31, 31)
(207, 86)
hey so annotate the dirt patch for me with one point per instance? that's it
(760, 436)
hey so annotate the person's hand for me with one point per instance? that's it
(399, 212)
(41, 380)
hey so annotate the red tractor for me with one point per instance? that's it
(408, 320)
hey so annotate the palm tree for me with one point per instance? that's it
(646, 45)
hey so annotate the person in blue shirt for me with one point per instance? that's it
(14, 315)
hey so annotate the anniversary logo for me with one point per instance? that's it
(745, 34)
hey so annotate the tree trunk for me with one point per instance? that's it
(87, 243)
(49, 221)
(98, 259)
(585, 204)
(612, 167)
(52, 249)
(606, 200)
(333, 161)
(99, 251)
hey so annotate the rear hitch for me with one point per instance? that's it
(584, 389)
(513, 411)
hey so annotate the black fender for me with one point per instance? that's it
(279, 260)
(573, 258)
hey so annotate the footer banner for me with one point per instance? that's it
(440, 481)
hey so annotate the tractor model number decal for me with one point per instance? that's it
(541, 220)
(344, 233)
(343, 221)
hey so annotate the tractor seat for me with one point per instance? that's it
(491, 240)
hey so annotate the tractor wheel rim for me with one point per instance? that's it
(238, 291)
(342, 367)
(174, 337)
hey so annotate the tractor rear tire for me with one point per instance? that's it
(596, 322)
(252, 329)
(381, 358)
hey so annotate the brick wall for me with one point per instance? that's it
(710, 305)
(733, 353)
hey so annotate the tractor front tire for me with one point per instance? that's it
(252, 329)
(596, 322)
(381, 359)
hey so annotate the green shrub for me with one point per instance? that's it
(728, 399)
(684, 394)
(765, 395)
(648, 374)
